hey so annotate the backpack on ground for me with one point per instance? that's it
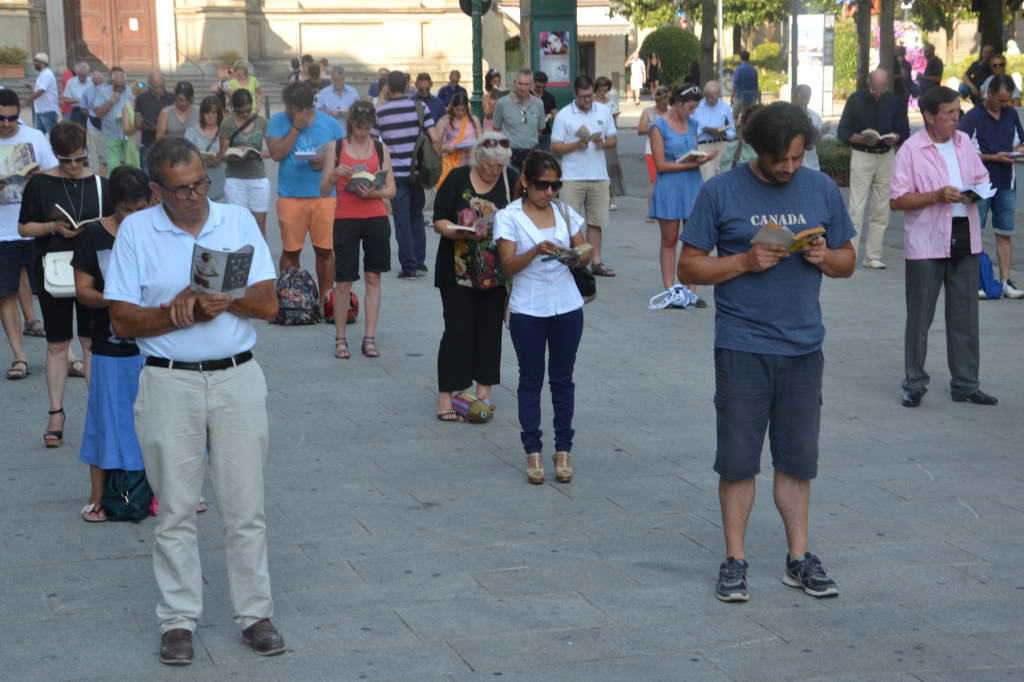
(426, 162)
(298, 298)
(126, 495)
(987, 280)
(353, 306)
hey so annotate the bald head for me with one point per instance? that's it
(802, 95)
(712, 91)
(878, 81)
(157, 80)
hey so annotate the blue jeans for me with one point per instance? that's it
(1002, 206)
(407, 206)
(45, 121)
(560, 336)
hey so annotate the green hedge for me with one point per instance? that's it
(834, 157)
(845, 53)
(768, 56)
(676, 48)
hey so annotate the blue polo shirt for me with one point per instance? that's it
(991, 136)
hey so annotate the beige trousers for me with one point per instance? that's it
(178, 415)
(710, 169)
(870, 175)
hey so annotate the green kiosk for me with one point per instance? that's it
(548, 33)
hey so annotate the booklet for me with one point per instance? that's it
(773, 233)
(871, 132)
(715, 132)
(584, 135)
(60, 213)
(311, 154)
(221, 272)
(242, 153)
(483, 224)
(975, 193)
(20, 175)
(569, 255)
(692, 155)
(364, 178)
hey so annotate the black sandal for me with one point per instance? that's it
(369, 348)
(54, 439)
(449, 415)
(16, 373)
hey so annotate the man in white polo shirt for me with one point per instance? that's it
(200, 390)
(584, 171)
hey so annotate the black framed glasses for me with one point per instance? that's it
(492, 143)
(9, 119)
(545, 185)
(72, 159)
(182, 192)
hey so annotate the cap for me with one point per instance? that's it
(42, 57)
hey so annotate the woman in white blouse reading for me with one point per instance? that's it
(535, 236)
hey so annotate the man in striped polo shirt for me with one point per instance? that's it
(398, 126)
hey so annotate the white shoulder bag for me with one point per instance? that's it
(58, 275)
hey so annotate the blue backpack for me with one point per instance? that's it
(987, 280)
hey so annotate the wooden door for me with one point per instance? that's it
(134, 34)
(88, 32)
(109, 33)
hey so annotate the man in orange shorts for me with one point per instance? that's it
(296, 138)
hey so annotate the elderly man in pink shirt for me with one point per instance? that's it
(941, 244)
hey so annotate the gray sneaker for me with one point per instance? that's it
(732, 580)
(809, 574)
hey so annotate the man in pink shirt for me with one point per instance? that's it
(942, 240)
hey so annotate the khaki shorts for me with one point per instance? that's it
(589, 198)
(300, 215)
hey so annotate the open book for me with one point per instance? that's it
(19, 176)
(584, 135)
(60, 213)
(692, 155)
(974, 193)
(773, 233)
(715, 132)
(221, 272)
(242, 153)
(871, 132)
(311, 154)
(498, 93)
(483, 224)
(569, 255)
(364, 178)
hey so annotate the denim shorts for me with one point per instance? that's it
(1002, 206)
(755, 393)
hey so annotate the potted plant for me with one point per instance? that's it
(225, 62)
(12, 62)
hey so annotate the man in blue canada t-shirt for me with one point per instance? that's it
(297, 138)
(768, 331)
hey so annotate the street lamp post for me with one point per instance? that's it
(476, 103)
(719, 42)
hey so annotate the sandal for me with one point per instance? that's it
(449, 415)
(76, 368)
(93, 514)
(202, 506)
(563, 467)
(602, 270)
(55, 438)
(369, 348)
(341, 349)
(33, 328)
(535, 468)
(16, 373)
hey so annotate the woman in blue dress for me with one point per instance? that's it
(676, 184)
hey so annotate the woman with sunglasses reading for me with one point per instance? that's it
(467, 272)
(535, 235)
(677, 181)
(246, 182)
(72, 186)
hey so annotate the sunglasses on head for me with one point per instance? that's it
(545, 185)
(491, 144)
(72, 159)
(692, 90)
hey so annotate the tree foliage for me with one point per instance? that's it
(645, 13)
(676, 48)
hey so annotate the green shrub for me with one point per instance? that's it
(771, 81)
(844, 77)
(834, 157)
(676, 48)
(13, 55)
(768, 56)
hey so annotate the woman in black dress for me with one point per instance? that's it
(653, 72)
(83, 196)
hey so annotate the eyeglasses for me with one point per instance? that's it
(185, 191)
(590, 96)
(244, 111)
(492, 143)
(9, 119)
(72, 159)
(545, 185)
(994, 64)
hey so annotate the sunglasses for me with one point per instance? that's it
(491, 144)
(9, 119)
(998, 63)
(72, 159)
(545, 185)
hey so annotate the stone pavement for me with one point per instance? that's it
(402, 548)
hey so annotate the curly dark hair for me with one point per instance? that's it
(778, 124)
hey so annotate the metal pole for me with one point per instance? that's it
(476, 102)
(719, 41)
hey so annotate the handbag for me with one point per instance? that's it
(58, 275)
(584, 278)
(126, 495)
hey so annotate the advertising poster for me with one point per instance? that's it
(554, 57)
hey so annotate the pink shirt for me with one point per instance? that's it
(919, 168)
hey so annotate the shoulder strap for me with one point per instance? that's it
(737, 153)
(99, 196)
(380, 154)
(419, 112)
(234, 135)
(504, 178)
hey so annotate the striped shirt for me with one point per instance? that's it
(398, 127)
(112, 127)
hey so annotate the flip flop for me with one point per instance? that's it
(93, 514)
(33, 328)
(602, 270)
(16, 373)
(444, 415)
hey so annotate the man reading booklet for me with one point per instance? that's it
(887, 137)
(773, 233)
(584, 135)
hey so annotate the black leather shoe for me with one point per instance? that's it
(978, 398)
(913, 398)
(176, 647)
(264, 638)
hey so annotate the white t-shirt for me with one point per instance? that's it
(27, 146)
(589, 163)
(46, 82)
(811, 155)
(151, 264)
(542, 288)
(948, 152)
(74, 89)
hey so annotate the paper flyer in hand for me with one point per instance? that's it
(221, 272)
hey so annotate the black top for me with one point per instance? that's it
(933, 68)
(453, 196)
(78, 197)
(978, 72)
(862, 112)
(92, 256)
(900, 84)
(149, 107)
(549, 105)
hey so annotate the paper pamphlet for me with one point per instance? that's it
(221, 272)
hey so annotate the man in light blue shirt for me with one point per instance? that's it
(715, 126)
(336, 99)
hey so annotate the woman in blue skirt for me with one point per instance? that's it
(109, 440)
(676, 183)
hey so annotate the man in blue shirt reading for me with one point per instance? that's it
(768, 330)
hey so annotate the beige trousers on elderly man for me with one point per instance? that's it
(870, 176)
(178, 415)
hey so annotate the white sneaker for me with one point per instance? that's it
(982, 296)
(874, 264)
(1010, 290)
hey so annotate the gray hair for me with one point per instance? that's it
(169, 151)
(524, 72)
(337, 70)
(82, 64)
(497, 153)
